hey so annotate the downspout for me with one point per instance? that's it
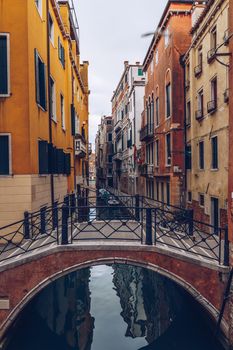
(184, 185)
(49, 94)
(72, 88)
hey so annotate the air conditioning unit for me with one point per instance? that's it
(176, 169)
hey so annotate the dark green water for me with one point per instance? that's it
(115, 307)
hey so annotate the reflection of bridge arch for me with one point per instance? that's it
(23, 281)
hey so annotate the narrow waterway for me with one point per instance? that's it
(118, 307)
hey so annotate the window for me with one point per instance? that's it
(213, 39)
(53, 99)
(168, 100)
(39, 6)
(156, 56)
(140, 72)
(166, 37)
(51, 29)
(77, 124)
(109, 122)
(214, 219)
(189, 196)
(168, 149)
(5, 154)
(62, 112)
(157, 111)
(109, 137)
(200, 100)
(110, 159)
(168, 192)
(61, 54)
(40, 81)
(4, 65)
(188, 157)
(200, 57)
(214, 147)
(157, 153)
(188, 113)
(212, 105)
(157, 191)
(201, 199)
(201, 155)
(152, 112)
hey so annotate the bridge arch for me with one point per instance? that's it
(103, 259)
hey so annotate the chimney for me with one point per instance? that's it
(197, 10)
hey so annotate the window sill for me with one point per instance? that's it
(54, 120)
(64, 130)
(39, 13)
(2, 176)
(214, 170)
(5, 96)
(40, 107)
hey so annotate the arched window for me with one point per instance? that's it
(157, 117)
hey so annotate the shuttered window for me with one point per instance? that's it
(43, 157)
(67, 164)
(188, 157)
(61, 53)
(40, 72)
(214, 146)
(4, 69)
(60, 161)
(4, 155)
(72, 113)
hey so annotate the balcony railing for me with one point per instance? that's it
(118, 156)
(80, 148)
(211, 55)
(211, 106)
(147, 132)
(146, 169)
(199, 114)
(226, 96)
(118, 126)
(198, 70)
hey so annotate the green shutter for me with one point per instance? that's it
(4, 155)
(43, 157)
(60, 161)
(72, 112)
(37, 82)
(67, 164)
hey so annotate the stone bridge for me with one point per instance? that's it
(55, 241)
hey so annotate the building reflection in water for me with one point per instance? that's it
(147, 308)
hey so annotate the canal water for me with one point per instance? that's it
(117, 307)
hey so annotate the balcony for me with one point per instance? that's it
(211, 106)
(80, 148)
(147, 132)
(226, 96)
(187, 84)
(146, 170)
(118, 156)
(118, 126)
(199, 114)
(198, 70)
(211, 55)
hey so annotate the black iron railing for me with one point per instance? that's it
(121, 218)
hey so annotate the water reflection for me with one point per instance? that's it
(111, 307)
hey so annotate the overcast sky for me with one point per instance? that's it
(110, 33)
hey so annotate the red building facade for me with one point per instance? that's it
(163, 134)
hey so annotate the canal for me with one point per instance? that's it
(117, 307)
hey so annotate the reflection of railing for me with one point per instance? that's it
(121, 218)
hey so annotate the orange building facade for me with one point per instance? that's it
(40, 112)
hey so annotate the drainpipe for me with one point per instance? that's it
(72, 82)
(184, 184)
(49, 100)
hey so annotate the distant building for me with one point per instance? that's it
(104, 153)
(92, 167)
(127, 106)
(207, 112)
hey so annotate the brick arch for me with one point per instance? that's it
(22, 288)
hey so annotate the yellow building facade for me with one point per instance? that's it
(39, 109)
(207, 113)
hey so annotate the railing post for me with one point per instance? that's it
(226, 247)
(55, 215)
(190, 221)
(43, 220)
(155, 238)
(65, 215)
(148, 226)
(72, 202)
(80, 209)
(137, 211)
(26, 225)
